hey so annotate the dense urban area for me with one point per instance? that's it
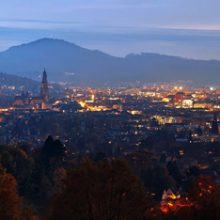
(142, 151)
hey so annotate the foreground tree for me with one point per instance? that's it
(10, 203)
(102, 191)
(206, 194)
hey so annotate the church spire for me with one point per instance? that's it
(44, 92)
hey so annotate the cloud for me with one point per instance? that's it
(167, 23)
(141, 13)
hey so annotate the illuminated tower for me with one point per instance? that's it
(44, 92)
(214, 128)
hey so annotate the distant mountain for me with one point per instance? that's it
(71, 63)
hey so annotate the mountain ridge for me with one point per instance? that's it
(94, 67)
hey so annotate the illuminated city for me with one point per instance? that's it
(110, 110)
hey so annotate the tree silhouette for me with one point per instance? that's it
(10, 203)
(53, 149)
(206, 195)
(102, 191)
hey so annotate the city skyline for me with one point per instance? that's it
(109, 110)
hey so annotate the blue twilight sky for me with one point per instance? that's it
(189, 28)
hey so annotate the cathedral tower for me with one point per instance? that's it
(44, 91)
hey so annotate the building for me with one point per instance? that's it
(25, 100)
(44, 91)
(215, 129)
(22, 100)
